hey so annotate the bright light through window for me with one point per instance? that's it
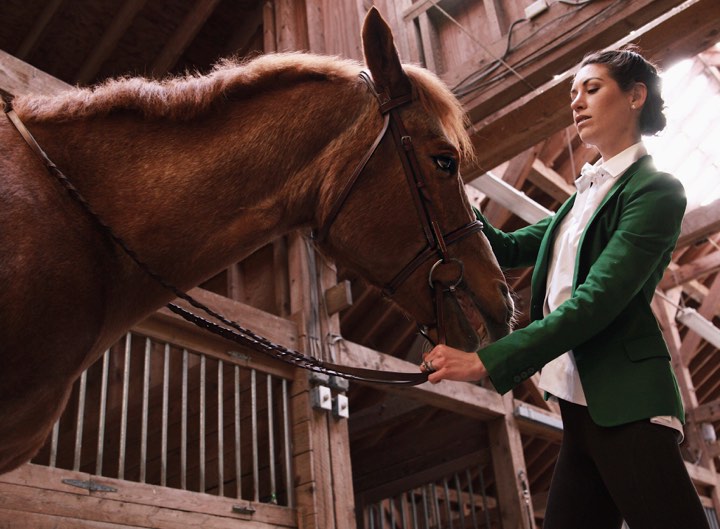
(689, 147)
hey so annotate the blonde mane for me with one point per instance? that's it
(189, 96)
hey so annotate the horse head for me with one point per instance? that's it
(403, 221)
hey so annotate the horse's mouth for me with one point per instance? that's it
(474, 317)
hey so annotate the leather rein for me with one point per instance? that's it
(437, 244)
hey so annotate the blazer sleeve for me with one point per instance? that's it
(633, 259)
(516, 249)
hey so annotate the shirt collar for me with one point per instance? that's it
(614, 167)
(619, 163)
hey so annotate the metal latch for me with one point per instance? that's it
(89, 485)
(243, 509)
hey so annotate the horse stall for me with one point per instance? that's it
(176, 427)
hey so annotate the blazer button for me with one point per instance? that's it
(516, 379)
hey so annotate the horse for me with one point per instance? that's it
(195, 172)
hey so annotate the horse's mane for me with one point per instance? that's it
(191, 95)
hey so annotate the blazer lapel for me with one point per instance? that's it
(622, 181)
(539, 276)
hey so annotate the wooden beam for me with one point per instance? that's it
(700, 223)
(510, 198)
(18, 77)
(460, 397)
(243, 34)
(112, 35)
(537, 421)
(708, 309)
(700, 267)
(550, 182)
(707, 412)
(31, 39)
(511, 480)
(518, 125)
(567, 35)
(183, 36)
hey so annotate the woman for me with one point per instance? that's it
(593, 334)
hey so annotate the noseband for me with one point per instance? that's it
(437, 242)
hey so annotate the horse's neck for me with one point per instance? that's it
(191, 198)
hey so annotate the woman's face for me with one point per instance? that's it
(604, 115)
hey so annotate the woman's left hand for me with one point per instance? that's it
(448, 363)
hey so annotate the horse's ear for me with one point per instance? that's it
(381, 56)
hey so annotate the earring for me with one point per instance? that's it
(632, 106)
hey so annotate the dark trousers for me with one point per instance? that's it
(633, 472)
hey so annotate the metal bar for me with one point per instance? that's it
(271, 440)
(54, 444)
(426, 511)
(391, 501)
(80, 420)
(403, 510)
(253, 418)
(436, 505)
(484, 497)
(203, 403)
(288, 452)
(145, 408)
(461, 502)
(448, 507)
(165, 411)
(183, 422)
(414, 510)
(103, 414)
(238, 461)
(371, 516)
(468, 476)
(124, 409)
(221, 452)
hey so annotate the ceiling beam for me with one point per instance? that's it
(700, 222)
(517, 124)
(698, 268)
(112, 35)
(183, 36)
(567, 34)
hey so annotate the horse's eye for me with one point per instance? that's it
(446, 163)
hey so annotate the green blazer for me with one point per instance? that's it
(622, 359)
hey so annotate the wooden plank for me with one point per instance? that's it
(460, 397)
(706, 412)
(514, 127)
(517, 171)
(39, 479)
(18, 77)
(708, 309)
(269, 32)
(111, 36)
(430, 45)
(183, 36)
(11, 519)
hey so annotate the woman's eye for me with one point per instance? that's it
(446, 163)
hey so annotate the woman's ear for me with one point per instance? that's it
(638, 94)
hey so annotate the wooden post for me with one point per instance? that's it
(514, 498)
(321, 457)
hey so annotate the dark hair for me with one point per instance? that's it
(627, 67)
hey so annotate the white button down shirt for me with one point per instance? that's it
(560, 377)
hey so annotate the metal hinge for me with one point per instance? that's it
(89, 485)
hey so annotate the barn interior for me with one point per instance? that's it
(196, 429)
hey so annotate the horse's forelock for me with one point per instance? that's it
(438, 100)
(183, 97)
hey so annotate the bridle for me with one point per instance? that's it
(437, 244)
